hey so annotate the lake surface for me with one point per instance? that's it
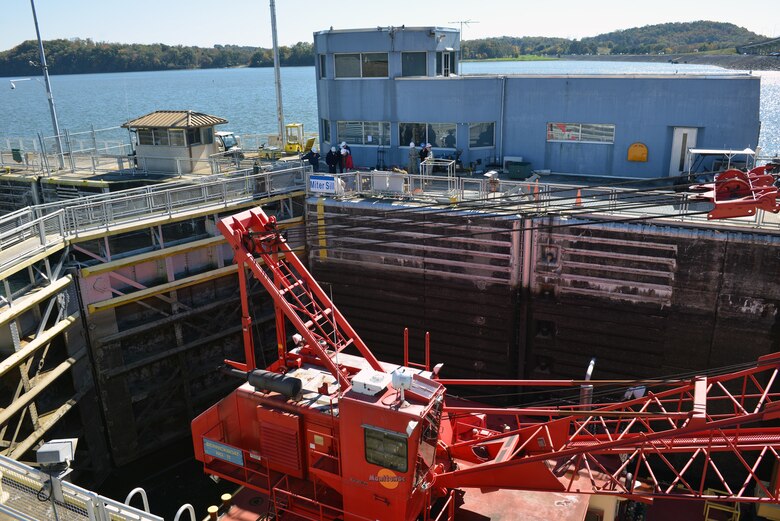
(246, 97)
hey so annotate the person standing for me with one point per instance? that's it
(313, 157)
(333, 160)
(413, 159)
(346, 156)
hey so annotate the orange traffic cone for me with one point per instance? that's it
(578, 201)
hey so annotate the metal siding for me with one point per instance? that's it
(725, 108)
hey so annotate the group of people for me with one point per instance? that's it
(339, 158)
(416, 157)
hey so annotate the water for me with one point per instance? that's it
(246, 97)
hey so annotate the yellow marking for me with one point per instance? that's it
(321, 228)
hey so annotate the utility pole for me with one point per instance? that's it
(277, 75)
(47, 83)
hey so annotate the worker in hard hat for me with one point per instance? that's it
(414, 159)
(313, 157)
(333, 160)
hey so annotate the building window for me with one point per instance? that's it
(207, 134)
(347, 65)
(366, 65)
(386, 449)
(193, 136)
(441, 135)
(581, 132)
(176, 137)
(325, 125)
(482, 135)
(323, 74)
(414, 64)
(145, 136)
(412, 132)
(161, 137)
(374, 65)
(375, 133)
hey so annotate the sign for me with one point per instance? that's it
(223, 452)
(322, 183)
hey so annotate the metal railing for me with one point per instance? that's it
(534, 197)
(26, 495)
(27, 232)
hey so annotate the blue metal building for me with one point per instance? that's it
(379, 89)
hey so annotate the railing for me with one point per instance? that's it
(534, 197)
(43, 226)
(27, 496)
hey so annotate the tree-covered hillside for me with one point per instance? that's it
(652, 39)
(86, 56)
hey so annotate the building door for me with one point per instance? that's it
(683, 138)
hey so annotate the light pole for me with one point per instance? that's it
(49, 95)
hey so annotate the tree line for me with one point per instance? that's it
(77, 56)
(668, 38)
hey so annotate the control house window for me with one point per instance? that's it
(323, 74)
(376, 133)
(482, 135)
(581, 132)
(361, 65)
(325, 125)
(386, 449)
(439, 135)
(161, 137)
(414, 64)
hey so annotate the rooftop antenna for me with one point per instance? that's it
(461, 23)
(277, 75)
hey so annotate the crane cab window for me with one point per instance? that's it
(386, 449)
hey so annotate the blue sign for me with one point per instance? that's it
(322, 183)
(223, 452)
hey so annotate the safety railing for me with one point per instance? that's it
(27, 495)
(34, 229)
(31, 238)
(532, 197)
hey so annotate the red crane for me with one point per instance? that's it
(328, 432)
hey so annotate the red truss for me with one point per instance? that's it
(678, 442)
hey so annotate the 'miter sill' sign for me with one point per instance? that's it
(325, 184)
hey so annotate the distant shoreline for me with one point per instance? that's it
(747, 62)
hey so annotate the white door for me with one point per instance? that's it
(683, 138)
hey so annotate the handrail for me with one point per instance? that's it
(62, 221)
(144, 499)
(186, 507)
(80, 504)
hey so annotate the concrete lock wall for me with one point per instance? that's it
(644, 300)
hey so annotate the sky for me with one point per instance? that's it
(247, 22)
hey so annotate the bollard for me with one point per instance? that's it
(212, 510)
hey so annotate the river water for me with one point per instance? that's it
(246, 97)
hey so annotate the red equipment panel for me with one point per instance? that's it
(280, 440)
